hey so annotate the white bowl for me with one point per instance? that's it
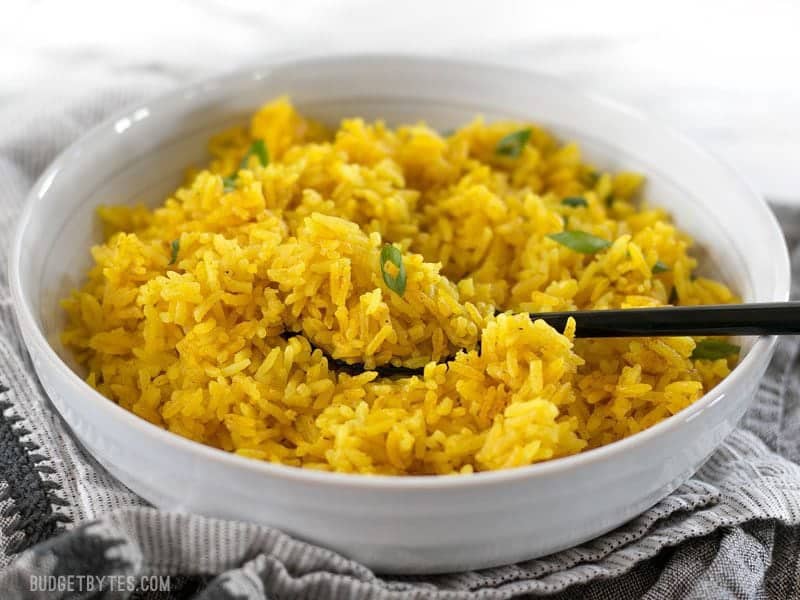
(393, 524)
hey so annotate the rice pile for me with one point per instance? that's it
(212, 315)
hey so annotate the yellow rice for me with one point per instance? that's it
(195, 344)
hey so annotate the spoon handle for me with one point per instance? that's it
(773, 318)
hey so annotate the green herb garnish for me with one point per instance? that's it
(580, 241)
(590, 179)
(574, 202)
(513, 143)
(609, 201)
(397, 283)
(175, 246)
(259, 149)
(713, 350)
(659, 267)
(229, 183)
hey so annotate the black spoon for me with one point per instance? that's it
(771, 318)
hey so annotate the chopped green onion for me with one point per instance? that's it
(659, 267)
(229, 183)
(513, 143)
(574, 202)
(175, 246)
(609, 201)
(580, 241)
(397, 283)
(713, 350)
(590, 179)
(259, 149)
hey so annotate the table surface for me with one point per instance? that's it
(726, 73)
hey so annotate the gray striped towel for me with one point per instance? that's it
(732, 531)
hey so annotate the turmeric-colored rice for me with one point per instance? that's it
(209, 315)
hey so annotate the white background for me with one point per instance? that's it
(727, 73)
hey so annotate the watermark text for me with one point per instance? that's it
(105, 583)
